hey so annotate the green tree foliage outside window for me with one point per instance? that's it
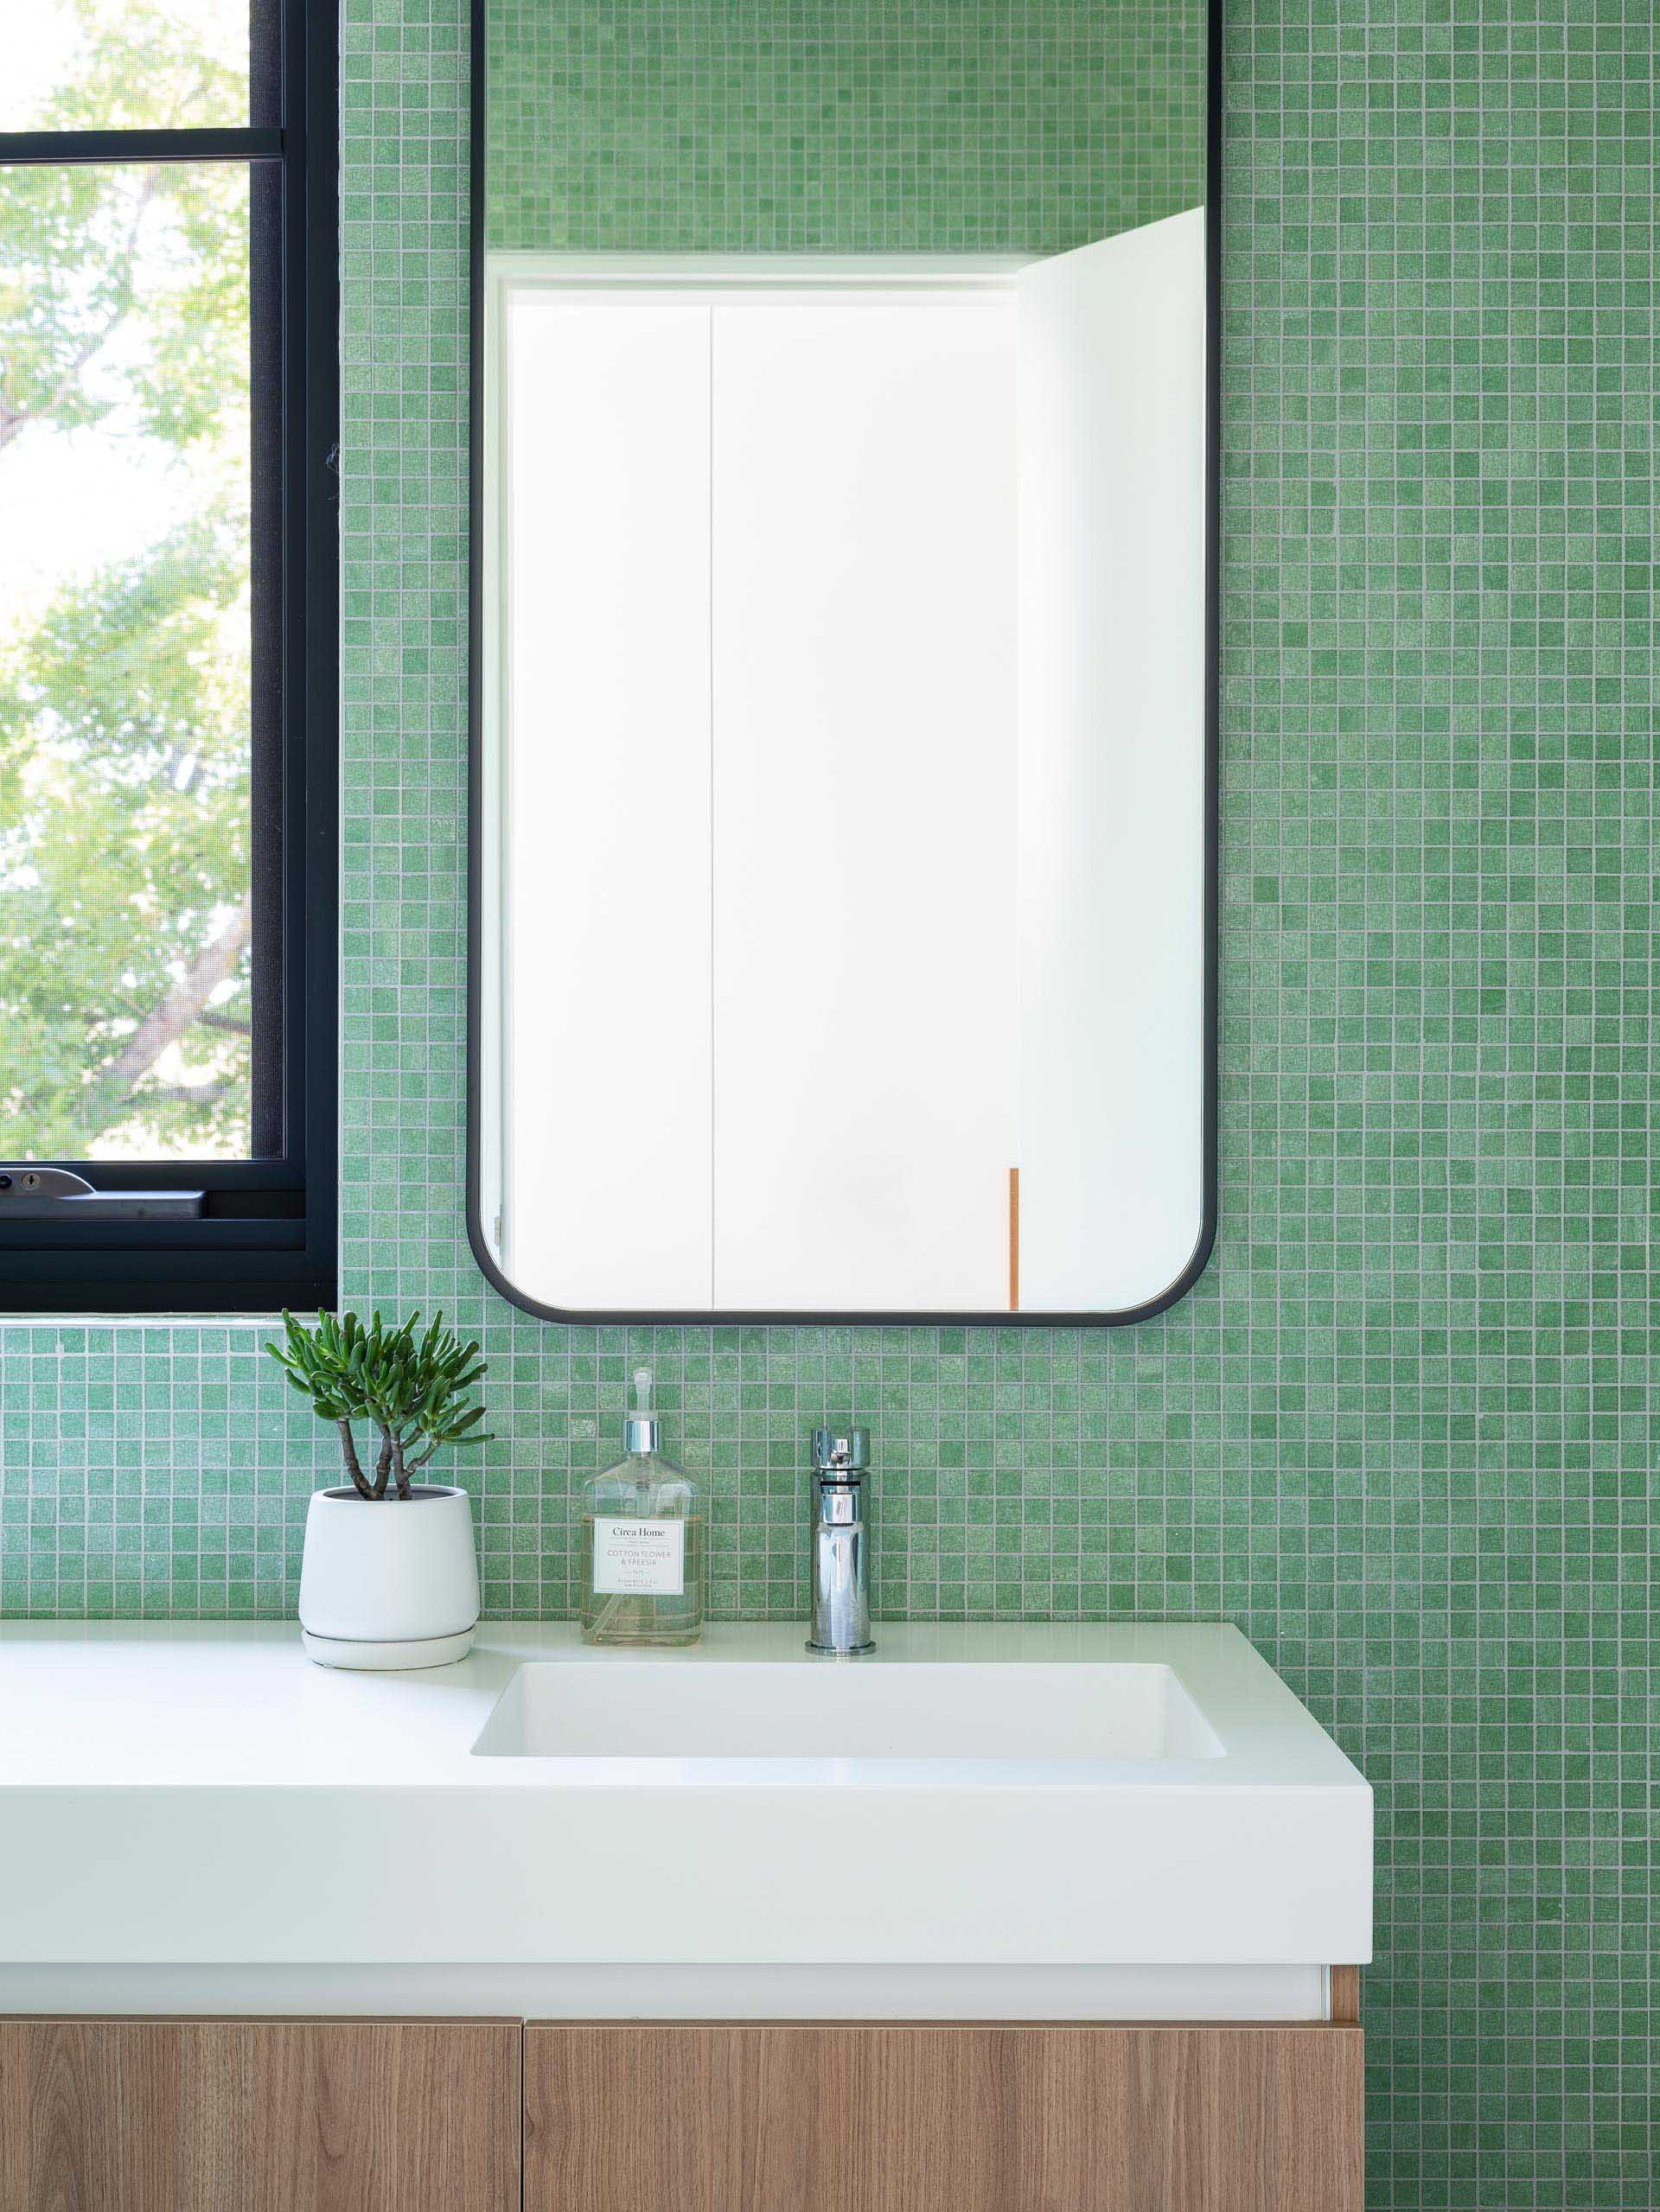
(125, 663)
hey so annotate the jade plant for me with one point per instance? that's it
(414, 1389)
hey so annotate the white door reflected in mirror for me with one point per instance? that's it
(844, 780)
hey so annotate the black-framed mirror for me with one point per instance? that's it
(843, 660)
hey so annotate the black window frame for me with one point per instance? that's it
(268, 1236)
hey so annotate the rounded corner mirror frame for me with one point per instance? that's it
(1204, 1243)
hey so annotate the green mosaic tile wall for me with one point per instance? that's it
(1405, 1432)
(753, 125)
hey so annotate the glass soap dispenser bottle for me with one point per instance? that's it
(643, 1526)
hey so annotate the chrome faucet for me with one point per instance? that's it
(841, 1543)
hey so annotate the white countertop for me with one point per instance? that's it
(198, 1792)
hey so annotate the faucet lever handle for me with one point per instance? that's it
(840, 1452)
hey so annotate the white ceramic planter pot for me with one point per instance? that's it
(389, 1582)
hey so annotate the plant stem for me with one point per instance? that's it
(383, 1464)
(349, 1453)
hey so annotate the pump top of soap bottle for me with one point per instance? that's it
(642, 1431)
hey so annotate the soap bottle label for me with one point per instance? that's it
(639, 1558)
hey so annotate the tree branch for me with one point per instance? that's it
(15, 420)
(182, 1005)
(198, 1095)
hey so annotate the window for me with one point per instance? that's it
(168, 615)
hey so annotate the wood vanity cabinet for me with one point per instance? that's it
(259, 2115)
(788, 2118)
(149, 2115)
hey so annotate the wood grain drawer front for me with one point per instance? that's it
(980, 2119)
(260, 2116)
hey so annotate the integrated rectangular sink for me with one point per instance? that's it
(649, 1707)
(1060, 1793)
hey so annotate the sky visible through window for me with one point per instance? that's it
(47, 43)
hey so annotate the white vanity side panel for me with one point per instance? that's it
(1112, 802)
(608, 867)
(864, 854)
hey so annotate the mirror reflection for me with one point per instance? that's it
(842, 659)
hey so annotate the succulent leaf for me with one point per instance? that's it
(411, 1384)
